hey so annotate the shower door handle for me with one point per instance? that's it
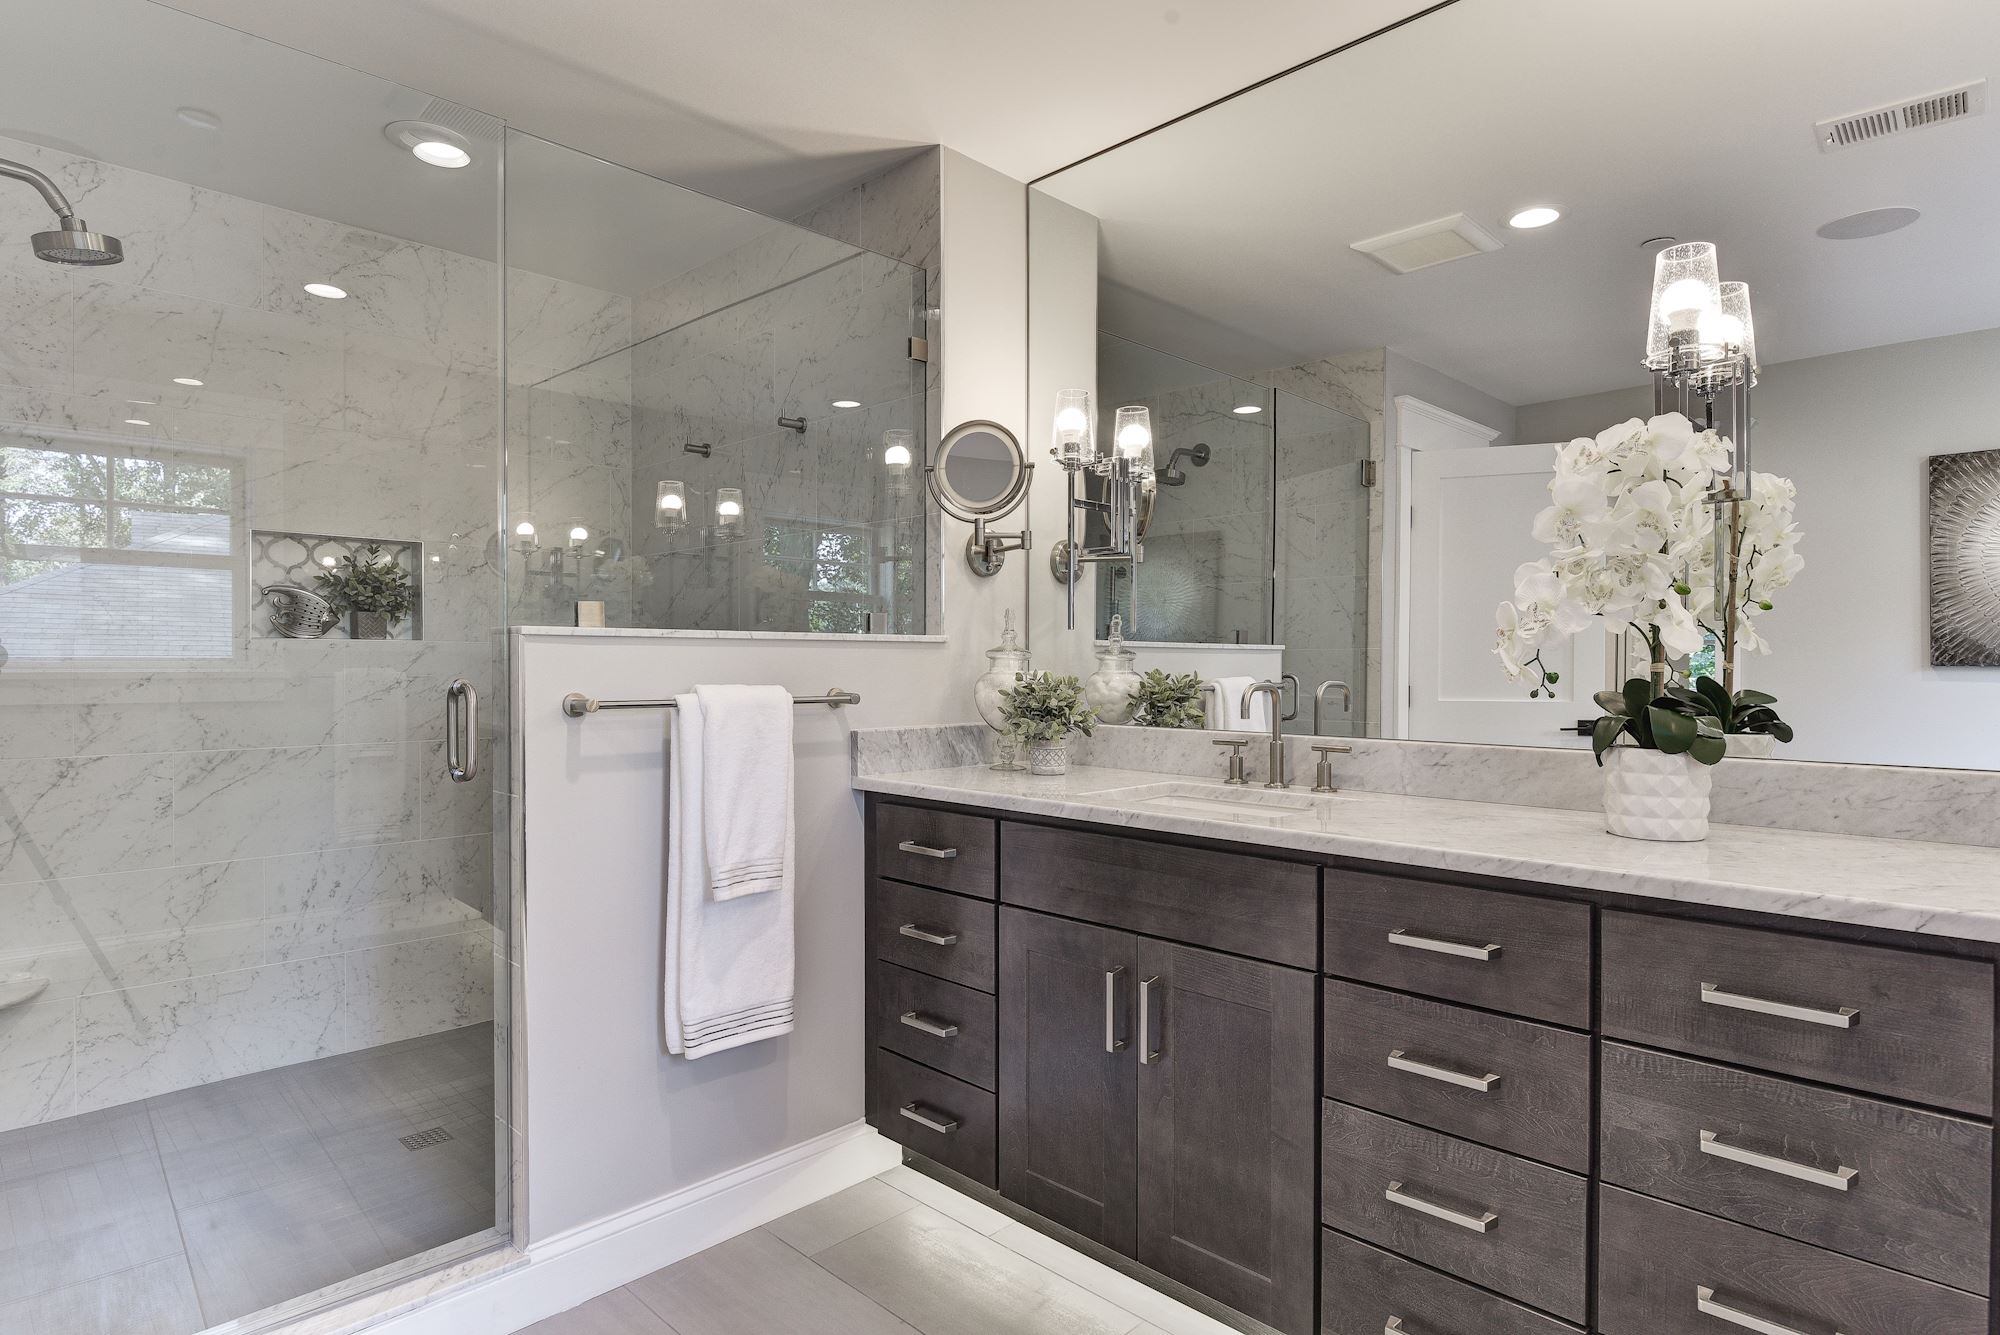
(461, 731)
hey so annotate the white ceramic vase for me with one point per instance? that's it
(1048, 758)
(1652, 795)
(1758, 745)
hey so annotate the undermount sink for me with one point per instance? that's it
(1215, 801)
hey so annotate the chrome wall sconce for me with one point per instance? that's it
(980, 475)
(1124, 471)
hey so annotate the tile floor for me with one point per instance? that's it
(899, 1254)
(175, 1213)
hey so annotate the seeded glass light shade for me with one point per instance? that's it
(897, 450)
(1737, 321)
(1686, 286)
(671, 508)
(729, 507)
(1132, 436)
(1073, 446)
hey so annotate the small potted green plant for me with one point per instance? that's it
(1168, 700)
(371, 589)
(1656, 747)
(1042, 710)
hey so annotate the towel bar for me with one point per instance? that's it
(576, 704)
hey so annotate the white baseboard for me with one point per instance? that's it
(575, 1266)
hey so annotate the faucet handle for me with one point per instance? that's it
(1237, 776)
(1323, 775)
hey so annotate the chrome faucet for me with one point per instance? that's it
(1319, 699)
(1277, 693)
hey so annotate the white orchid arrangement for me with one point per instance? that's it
(1631, 535)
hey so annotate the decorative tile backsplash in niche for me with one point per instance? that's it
(295, 558)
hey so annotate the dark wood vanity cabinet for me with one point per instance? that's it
(1357, 1100)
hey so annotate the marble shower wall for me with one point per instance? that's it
(241, 862)
(1323, 570)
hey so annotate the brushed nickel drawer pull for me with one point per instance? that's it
(926, 851)
(935, 936)
(1402, 936)
(1771, 1163)
(1112, 1043)
(1148, 1051)
(935, 1028)
(944, 1126)
(1480, 1083)
(1705, 1303)
(1843, 1018)
(1478, 1223)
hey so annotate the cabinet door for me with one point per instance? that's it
(1227, 1111)
(1068, 1074)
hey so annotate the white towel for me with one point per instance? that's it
(729, 963)
(746, 797)
(1225, 708)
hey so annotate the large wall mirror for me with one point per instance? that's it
(1371, 304)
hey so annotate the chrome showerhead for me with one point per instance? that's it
(72, 242)
(77, 244)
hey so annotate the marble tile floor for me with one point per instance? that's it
(899, 1254)
(183, 1211)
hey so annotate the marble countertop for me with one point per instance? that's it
(1932, 888)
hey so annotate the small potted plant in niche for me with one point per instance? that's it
(1042, 710)
(371, 589)
(1168, 700)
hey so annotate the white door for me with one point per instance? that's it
(1471, 511)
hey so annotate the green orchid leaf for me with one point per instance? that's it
(1603, 733)
(1746, 698)
(1708, 750)
(1718, 699)
(1672, 733)
(1638, 695)
(1611, 702)
(1781, 730)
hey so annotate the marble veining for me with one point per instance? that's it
(1929, 888)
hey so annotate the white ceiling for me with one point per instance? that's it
(1225, 237)
(775, 104)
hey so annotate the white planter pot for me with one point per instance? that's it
(1652, 795)
(1760, 745)
(1048, 757)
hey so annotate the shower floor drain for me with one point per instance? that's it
(418, 1140)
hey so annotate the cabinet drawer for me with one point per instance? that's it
(1917, 1027)
(946, 936)
(929, 1020)
(1245, 905)
(1503, 1223)
(938, 1117)
(1658, 1265)
(1506, 952)
(1363, 1289)
(1513, 1084)
(948, 849)
(1893, 1185)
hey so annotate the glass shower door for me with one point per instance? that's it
(248, 922)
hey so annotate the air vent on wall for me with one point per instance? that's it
(1901, 117)
(1420, 247)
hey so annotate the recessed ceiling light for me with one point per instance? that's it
(1245, 409)
(187, 380)
(137, 421)
(431, 144)
(1870, 222)
(198, 118)
(1539, 216)
(327, 290)
(1652, 241)
(847, 403)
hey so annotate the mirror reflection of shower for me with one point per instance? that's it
(72, 242)
(1171, 475)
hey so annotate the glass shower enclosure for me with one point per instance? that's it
(251, 948)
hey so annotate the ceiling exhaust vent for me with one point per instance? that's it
(1901, 117)
(1429, 243)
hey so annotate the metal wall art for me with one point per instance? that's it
(1965, 559)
